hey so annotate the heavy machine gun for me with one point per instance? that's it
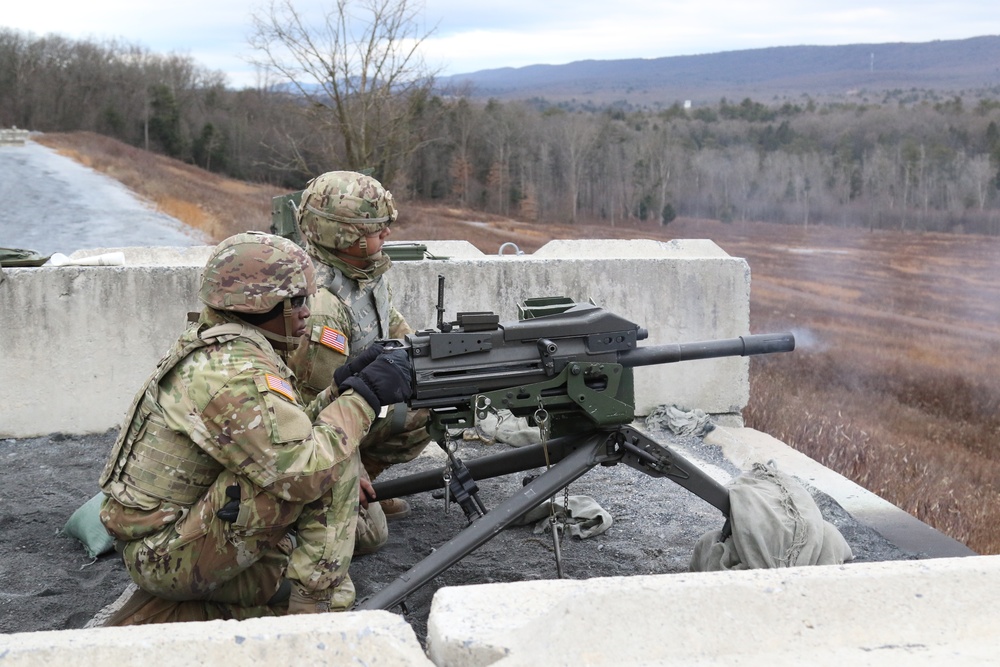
(567, 368)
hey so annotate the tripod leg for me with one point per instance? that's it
(591, 452)
(658, 460)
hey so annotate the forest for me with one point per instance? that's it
(900, 160)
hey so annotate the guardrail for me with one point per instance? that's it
(13, 137)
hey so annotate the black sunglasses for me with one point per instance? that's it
(298, 301)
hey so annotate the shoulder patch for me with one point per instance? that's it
(280, 386)
(334, 340)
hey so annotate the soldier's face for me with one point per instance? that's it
(299, 314)
(358, 256)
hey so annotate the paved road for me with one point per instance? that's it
(49, 203)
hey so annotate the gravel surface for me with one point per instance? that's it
(47, 581)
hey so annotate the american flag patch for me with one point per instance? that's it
(280, 386)
(334, 339)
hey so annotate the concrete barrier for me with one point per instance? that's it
(928, 612)
(13, 137)
(77, 342)
(368, 638)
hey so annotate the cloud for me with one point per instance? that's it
(469, 36)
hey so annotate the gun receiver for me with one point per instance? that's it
(572, 363)
(567, 368)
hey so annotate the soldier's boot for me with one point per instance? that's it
(335, 598)
(393, 508)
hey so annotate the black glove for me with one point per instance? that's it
(358, 363)
(231, 510)
(385, 381)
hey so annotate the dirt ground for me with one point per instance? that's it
(47, 581)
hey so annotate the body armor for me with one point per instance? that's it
(368, 305)
(153, 459)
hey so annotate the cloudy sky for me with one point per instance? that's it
(470, 35)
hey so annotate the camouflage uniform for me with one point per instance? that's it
(353, 307)
(220, 414)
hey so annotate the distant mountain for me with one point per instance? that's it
(783, 72)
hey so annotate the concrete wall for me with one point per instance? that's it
(931, 612)
(914, 613)
(13, 136)
(77, 342)
(369, 638)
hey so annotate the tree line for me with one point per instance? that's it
(915, 160)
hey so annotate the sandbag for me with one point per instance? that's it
(85, 525)
(21, 257)
(775, 523)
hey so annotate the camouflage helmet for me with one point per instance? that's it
(253, 272)
(340, 207)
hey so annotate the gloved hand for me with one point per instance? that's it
(358, 363)
(385, 381)
(231, 510)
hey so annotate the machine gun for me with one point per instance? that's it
(567, 368)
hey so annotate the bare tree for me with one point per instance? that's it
(356, 71)
(579, 133)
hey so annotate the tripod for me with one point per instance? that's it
(570, 456)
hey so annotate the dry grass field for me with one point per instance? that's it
(895, 382)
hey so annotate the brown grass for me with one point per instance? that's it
(895, 382)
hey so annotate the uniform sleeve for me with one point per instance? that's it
(264, 434)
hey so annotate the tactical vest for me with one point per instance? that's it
(368, 305)
(151, 457)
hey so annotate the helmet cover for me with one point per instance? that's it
(253, 272)
(339, 208)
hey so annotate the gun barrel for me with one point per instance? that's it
(730, 347)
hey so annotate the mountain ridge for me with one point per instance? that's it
(783, 71)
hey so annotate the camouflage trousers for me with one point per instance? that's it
(396, 438)
(204, 568)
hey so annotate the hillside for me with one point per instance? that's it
(792, 71)
(895, 382)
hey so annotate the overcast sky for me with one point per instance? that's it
(471, 35)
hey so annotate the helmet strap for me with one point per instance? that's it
(289, 341)
(370, 260)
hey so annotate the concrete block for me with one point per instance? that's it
(362, 638)
(681, 291)
(925, 612)
(77, 342)
(194, 256)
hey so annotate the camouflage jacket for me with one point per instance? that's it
(228, 404)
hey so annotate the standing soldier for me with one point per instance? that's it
(344, 217)
(219, 459)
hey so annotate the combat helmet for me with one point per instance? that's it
(253, 273)
(339, 208)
